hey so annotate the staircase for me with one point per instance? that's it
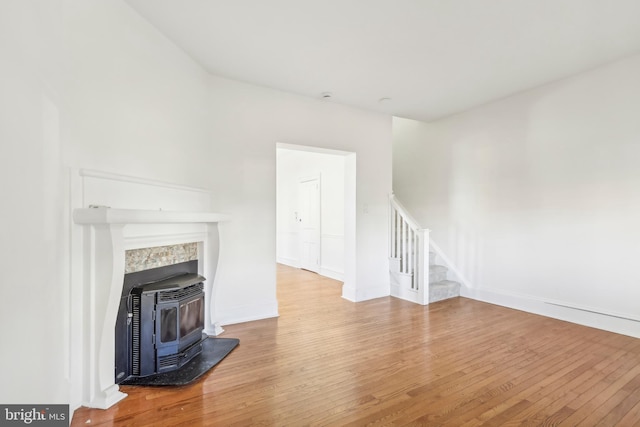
(415, 275)
(440, 287)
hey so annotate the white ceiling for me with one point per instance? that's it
(432, 57)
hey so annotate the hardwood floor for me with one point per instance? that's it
(459, 362)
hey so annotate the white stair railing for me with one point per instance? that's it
(409, 255)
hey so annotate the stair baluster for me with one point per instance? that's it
(409, 261)
(409, 250)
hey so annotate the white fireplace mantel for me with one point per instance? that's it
(107, 233)
(105, 215)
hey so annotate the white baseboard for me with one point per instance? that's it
(349, 293)
(332, 274)
(247, 313)
(619, 323)
(613, 322)
(324, 271)
(359, 295)
(291, 262)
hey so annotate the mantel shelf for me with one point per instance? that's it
(105, 215)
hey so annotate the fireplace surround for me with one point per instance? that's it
(156, 214)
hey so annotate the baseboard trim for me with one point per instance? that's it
(332, 274)
(324, 271)
(359, 295)
(291, 262)
(619, 323)
(349, 293)
(247, 313)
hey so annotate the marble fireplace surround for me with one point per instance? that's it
(106, 234)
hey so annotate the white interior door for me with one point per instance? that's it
(309, 221)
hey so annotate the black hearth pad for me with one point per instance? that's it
(213, 351)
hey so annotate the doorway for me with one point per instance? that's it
(315, 209)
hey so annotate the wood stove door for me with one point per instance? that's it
(167, 324)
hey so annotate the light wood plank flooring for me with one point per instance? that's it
(327, 361)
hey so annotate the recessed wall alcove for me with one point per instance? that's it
(113, 214)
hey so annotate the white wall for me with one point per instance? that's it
(246, 123)
(132, 104)
(93, 85)
(535, 198)
(136, 104)
(292, 165)
(34, 298)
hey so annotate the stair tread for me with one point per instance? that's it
(443, 289)
(445, 283)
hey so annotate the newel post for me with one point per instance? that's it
(423, 266)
